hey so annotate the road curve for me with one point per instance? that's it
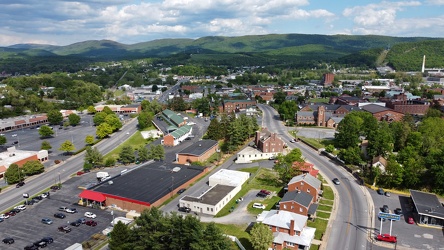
(348, 227)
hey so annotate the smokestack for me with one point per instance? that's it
(423, 64)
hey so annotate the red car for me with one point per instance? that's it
(91, 223)
(411, 221)
(265, 192)
(80, 173)
(387, 238)
(11, 213)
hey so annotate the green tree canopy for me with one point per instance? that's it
(126, 155)
(107, 110)
(261, 236)
(284, 165)
(3, 140)
(93, 157)
(156, 152)
(287, 110)
(91, 110)
(33, 167)
(145, 119)
(99, 118)
(89, 139)
(103, 130)
(14, 174)
(74, 119)
(144, 154)
(120, 237)
(45, 131)
(114, 121)
(67, 146)
(177, 104)
(55, 117)
(45, 145)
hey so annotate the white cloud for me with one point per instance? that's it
(435, 2)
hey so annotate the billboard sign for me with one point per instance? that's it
(389, 216)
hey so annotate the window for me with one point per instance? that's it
(308, 190)
(285, 206)
(290, 244)
(208, 209)
(300, 209)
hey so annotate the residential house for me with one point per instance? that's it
(266, 145)
(379, 162)
(298, 202)
(306, 168)
(305, 183)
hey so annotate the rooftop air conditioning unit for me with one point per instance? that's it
(176, 169)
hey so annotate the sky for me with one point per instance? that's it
(63, 22)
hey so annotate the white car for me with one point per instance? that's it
(4, 216)
(90, 215)
(20, 207)
(14, 135)
(71, 210)
(259, 205)
(44, 195)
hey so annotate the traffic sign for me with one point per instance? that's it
(389, 216)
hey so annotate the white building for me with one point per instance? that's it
(250, 154)
(228, 177)
(20, 157)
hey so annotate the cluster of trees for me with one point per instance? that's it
(15, 174)
(107, 122)
(234, 131)
(157, 230)
(128, 155)
(284, 165)
(418, 161)
(149, 109)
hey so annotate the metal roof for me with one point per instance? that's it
(181, 131)
(427, 204)
(199, 148)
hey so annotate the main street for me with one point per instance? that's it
(350, 226)
(64, 170)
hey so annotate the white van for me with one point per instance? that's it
(259, 205)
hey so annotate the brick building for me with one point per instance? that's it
(177, 136)
(383, 113)
(401, 103)
(268, 142)
(20, 157)
(328, 79)
(199, 151)
(298, 202)
(323, 115)
(229, 106)
(305, 183)
(22, 122)
(135, 108)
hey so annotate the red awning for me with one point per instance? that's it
(92, 195)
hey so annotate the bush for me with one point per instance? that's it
(57, 161)
(111, 161)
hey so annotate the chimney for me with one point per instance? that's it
(291, 227)
(258, 137)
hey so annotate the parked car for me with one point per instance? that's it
(261, 195)
(8, 240)
(35, 200)
(11, 213)
(272, 157)
(336, 181)
(40, 244)
(16, 210)
(20, 184)
(45, 195)
(265, 192)
(185, 209)
(55, 187)
(386, 238)
(4, 216)
(31, 247)
(1, 219)
(60, 215)
(387, 194)
(385, 209)
(398, 211)
(259, 205)
(71, 210)
(80, 173)
(47, 221)
(380, 191)
(14, 135)
(82, 220)
(64, 229)
(90, 215)
(29, 202)
(75, 223)
(63, 209)
(410, 220)
(20, 207)
(181, 190)
(48, 240)
(91, 223)
(38, 197)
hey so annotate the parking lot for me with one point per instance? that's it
(26, 227)
(410, 236)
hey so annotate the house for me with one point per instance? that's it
(328, 79)
(323, 115)
(229, 106)
(298, 202)
(383, 113)
(266, 145)
(197, 152)
(289, 229)
(379, 162)
(177, 136)
(305, 183)
(306, 168)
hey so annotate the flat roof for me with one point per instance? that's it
(427, 204)
(199, 148)
(149, 182)
(213, 196)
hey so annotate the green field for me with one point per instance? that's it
(328, 193)
(320, 225)
(325, 208)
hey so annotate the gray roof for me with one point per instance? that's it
(427, 204)
(312, 209)
(302, 198)
(199, 148)
(312, 181)
(212, 196)
(374, 108)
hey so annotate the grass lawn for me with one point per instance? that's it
(135, 141)
(239, 232)
(325, 208)
(252, 170)
(270, 203)
(326, 100)
(314, 247)
(118, 92)
(320, 225)
(317, 143)
(328, 193)
(323, 215)
(326, 202)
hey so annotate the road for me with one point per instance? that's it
(350, 227)
(13, 196)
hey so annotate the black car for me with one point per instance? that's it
(35, 200)
(48, 240)
(75, 223)
(60, 215)
(380, 191)
(262, 195)
(336, 181)
(16, 210)
(20, 184)
(185, 209)
(30, 202)
(385, 209)
(181, 190)
(31, 247)
(398, 211)
(8, 240)
(40, 244)
(54, 188)
(81, 220)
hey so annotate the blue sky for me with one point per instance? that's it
(62, 22)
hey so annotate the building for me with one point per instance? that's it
(177, 136)
(305, 183)
(224, 185)
(379, 162)
(323, 115)
(429, 210)
(328, 79)
(266, 145)
(383, 113)
(229, 106)
(404, 103)
(199, 151)
(137, 189)
(22, 122)
(289, 229)
(298, 202)
(306, 168)
(20, 157)
(172, 118)
(122, 109)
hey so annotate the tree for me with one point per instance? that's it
(145, 119)
(279, 97)
(33, 167)
(213, 238)
(73, 119)
(380, 141)
(55, 117)
(91, 110)
(261, 236)
(214, 131)
(349, 130)
(351, 155)
(93, 157)
(14, 174)
(144, 154)
(45, 145)
(107, 110)
(103, 130)
(126, 155)
(284, 165)
(157, 152)
(394, 173)
(3, 140)
(99, 118)
(177, 104)
(287, 110)
(154, 88)
(67, 146)
(89, 139)
(120, 237)
(202, 105)
(110, 161)
(113, 121)
(45, 131)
